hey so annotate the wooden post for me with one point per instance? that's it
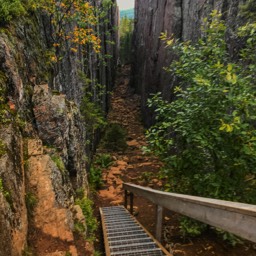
(159, 220)
(131, 203)
(125, 198)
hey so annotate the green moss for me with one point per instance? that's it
(3, 149)
(59, 163)
(31, 202)
(6, 193)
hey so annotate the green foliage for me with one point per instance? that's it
(79, 228)
(191, 227)
(80, 193)
(115, 137)
(2, 148)
(31, 202)
(10, 9)
(2, 190)
(59, 163)
(103, 160)
(206, 137)
(5, 192)
(91, 222)
(248, 10)
(230, 238)
(95, 177)
(4, 115)
(92, 114)
(27, 252)
(126, 31)
(97, 253)
(146, 177)
(91, 103)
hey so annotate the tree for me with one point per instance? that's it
(73, 21)
(126, 31)
(207, 136)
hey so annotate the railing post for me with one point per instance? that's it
(125, 198)
(159, 220)
(131, 203)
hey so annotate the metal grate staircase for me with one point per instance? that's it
(124, 236)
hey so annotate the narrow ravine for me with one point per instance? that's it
(134, 166)
(131, 165)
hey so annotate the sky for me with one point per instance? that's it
(125, 4)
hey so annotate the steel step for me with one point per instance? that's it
(124, 236)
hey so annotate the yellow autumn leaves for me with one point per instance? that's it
(229, 127)
(63, 14)
(231, 77)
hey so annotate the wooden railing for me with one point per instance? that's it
(236, 218)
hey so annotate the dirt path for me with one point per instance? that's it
(132, 165)
(135, 167)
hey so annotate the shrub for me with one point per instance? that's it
(91, 222)
(206, 137)
(115, 137)
(95, 177)
(103, 160)
(79, 228)
(10, 9)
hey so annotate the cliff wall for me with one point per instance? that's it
(183, 18)
(43, 149)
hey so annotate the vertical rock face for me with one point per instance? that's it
(43, 149)
(13, 212)
(183, 19)
(52, 212)
(59, 125)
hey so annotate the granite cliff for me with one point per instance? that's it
(43, 150)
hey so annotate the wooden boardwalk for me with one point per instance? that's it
(124, 236)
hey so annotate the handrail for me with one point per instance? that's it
(236, 218)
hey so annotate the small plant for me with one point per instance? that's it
(2, 148)
(95, 177)
(190, 227)
(103, 160)
(79, 228)
(59, 163)
(31, 202)
(27, 251)
(91, 222)
(5, 193)
(146, 176)
(97, 253)
(115, 137)
(230, 238)
(68, 254)
(80, 193)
